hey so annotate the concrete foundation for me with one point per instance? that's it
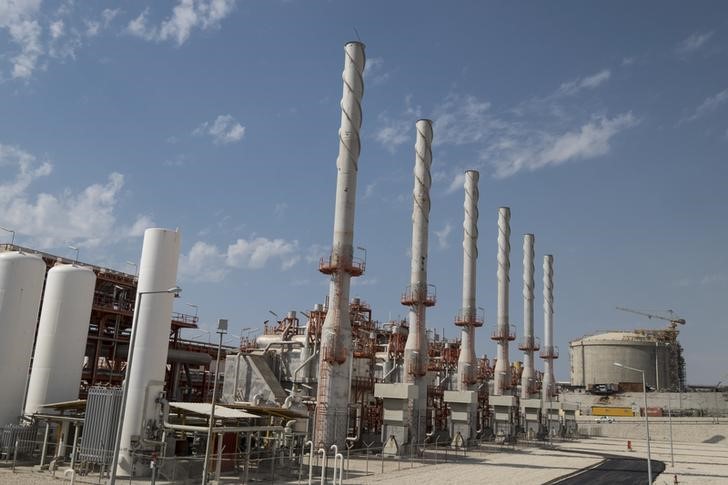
(505, 408)
(463, 416)
(398, 400)
(531, 413)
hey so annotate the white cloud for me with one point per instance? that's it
(693, 43)
(394, 131)
(186, 16)
(142, 223)
(545, 149)
(204, 262)
(442, 236)
(85, 218)
(280, 209)
(710, 104)
(225, 129)
(56, 29)
(17, 17)
(94, 27)
(374, 71)
(589, 82)
(457, 183)
(37, 34)
(255, 253)
(462, 120)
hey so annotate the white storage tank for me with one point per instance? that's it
(62, 334)
(157, 273)
(21, 284)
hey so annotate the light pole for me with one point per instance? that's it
(12, 240)
(176, 290)
(647, 421)
(74, 248)
(669, 417)
(222, 326)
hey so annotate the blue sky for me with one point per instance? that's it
(604, 126)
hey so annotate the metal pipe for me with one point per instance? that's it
(222, 330)
(310, 462)
(331, 412)
(336, 455)
(548, 353)
(502, 373)
(305, 362)
(45, 445)
(468, 317)
(73, 453)
(282, 343)
(528, 373)
(323, 465)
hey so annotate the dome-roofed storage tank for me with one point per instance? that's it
(21, 284)
(593, 358)
(62, 334)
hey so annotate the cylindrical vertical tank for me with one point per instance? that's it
(62, 333)
(157, 274)
(21, 284)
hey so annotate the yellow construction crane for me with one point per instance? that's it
(672, 319)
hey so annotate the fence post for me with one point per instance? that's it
(15, 453)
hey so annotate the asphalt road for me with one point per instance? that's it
(616, 471)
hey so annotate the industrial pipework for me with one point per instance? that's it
(330, 426)
(468, 318)
(503, 333)
(529, 344)
(549, 352)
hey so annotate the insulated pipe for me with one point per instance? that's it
(528, 374)
(502, 374)
(416, 297)
(332, 403)
(548, 354)
(467, 319)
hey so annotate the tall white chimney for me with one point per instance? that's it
(417, 296)
(528, 344)
(330, 424)
(468, 318)
(549, 352)
(503, 334)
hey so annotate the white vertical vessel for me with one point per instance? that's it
(529, 343)
(62, 332)
(21, 284)
(417, 297)
(549, 352)
(157, 273)
(502, 333)
(332, 397)
(468, 318)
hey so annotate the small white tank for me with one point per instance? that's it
(21, 284)
(62, 332)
